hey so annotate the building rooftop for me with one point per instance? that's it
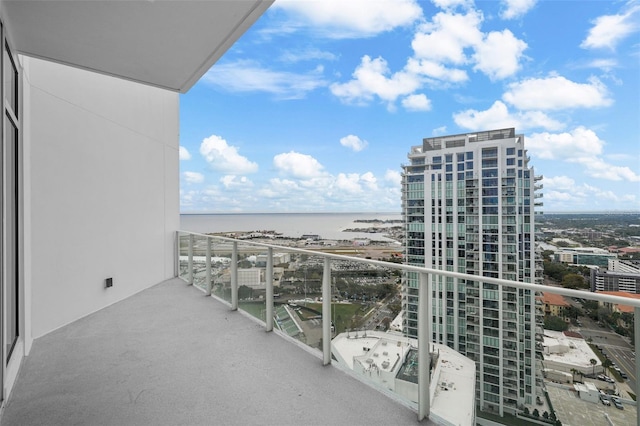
(567, 350)
(390, 360)
(169, 355)
(622, 308)
(554, 299)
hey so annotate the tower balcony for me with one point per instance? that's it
(189, 348)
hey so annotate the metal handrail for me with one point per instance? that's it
(425, 280)
(499, 281)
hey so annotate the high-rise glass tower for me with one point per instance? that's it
(468, 205)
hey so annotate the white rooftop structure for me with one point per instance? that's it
(390, 361)
(563, 353)
(396, 324)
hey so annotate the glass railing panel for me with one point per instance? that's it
(363, 298)
(199, 261)
(221, 255)
(301, 298)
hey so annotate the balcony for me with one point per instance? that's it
(172, 355)
(169, 355)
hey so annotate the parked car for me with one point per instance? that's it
(618, 405)
(605, 399)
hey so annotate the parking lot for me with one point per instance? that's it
(573, 411)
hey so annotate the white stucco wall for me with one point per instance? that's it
(103, 190)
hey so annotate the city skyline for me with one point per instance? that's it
(314, 107)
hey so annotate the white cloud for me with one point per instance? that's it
(193, 177)
(348, 182)
(249, 76)
(579, 143)
(298, 165)
(370, 80)
(445, 38)
(449, 36)
(436, 45)
(353, 142)
(442, 130)
(184, 154)
(435, 70)
(516, 8)
(233, 181)
(418, 102)
(452, 4)
(558, 182)
(393, 176)
(584, 197)
(369, 180)
(225, 158)
(499, 117)
(499, 54)
(600, 169)
(604, 64)
(309, 54)
(353, 18)
(581, 146)
(609, 30)
(555, 93)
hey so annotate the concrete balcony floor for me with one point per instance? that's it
(171, 356)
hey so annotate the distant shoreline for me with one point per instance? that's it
(288, 213)
(611, 212)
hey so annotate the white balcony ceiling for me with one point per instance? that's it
(169, 44)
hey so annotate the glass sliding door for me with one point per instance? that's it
(10, 163)
(11, 235)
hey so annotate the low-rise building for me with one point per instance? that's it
(588, 256)
(587, 391)
(568, 353)
(554, 304)
(278, 259)
(390, 361)
(617, 307)
(621, 275)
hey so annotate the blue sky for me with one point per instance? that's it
(315, 108)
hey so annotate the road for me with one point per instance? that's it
(617, 348)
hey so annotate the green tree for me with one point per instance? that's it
(590, 305)
(245, 292)
(606, 364)
(555, 323)
(572, 312)
(573, 373)
(574, 281)
(593, 362)
(395, 309)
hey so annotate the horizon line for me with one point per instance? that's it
(400, 212)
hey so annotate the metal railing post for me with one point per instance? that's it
(176, 261)
(234, 277)
(190, 262)
(326, 312)
(424, 359)
(207, 286)
(269, 296)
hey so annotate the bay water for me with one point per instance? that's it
(329, 226)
